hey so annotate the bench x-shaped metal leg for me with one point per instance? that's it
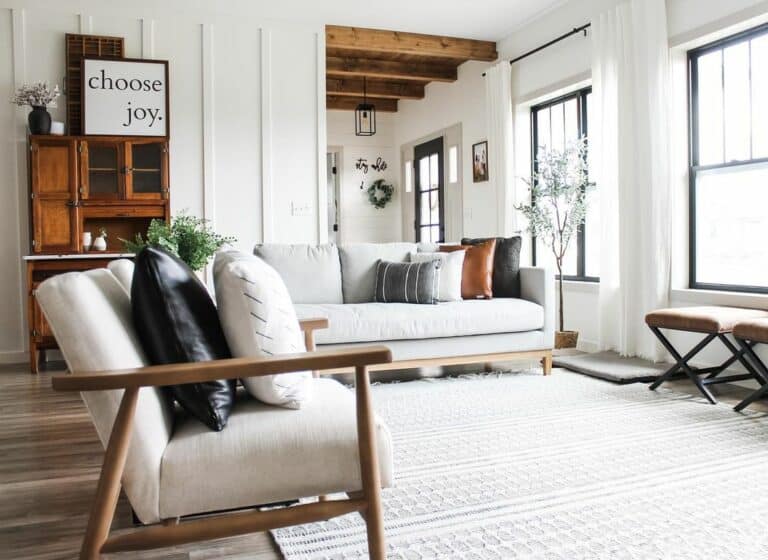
(762, 375)
(681, 363)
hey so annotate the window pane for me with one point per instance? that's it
(760, 97)
(424, 174)
(433, 172)
(435, 234)
(572, 132)
(453, 164)
(731, 222)
(408, 169)
(710, 115)
(435, 207)
(737, 102)
(545, 257)
(543, 129)
(558, 127)
(424, 208)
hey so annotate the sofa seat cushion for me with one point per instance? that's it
(376, 322)
(268, 454)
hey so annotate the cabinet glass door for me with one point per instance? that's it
(102, 170)
(148, 170)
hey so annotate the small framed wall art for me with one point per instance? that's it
(480, 162)
(125, 97)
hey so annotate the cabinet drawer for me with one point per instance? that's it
(113, 211)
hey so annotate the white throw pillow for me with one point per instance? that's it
(259, 319)
(451, 268)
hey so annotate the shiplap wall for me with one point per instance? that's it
(247, 119)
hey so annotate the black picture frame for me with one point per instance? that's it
(480, 162)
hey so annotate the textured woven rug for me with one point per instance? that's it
(562, 467)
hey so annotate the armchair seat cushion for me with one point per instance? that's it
(268, 454)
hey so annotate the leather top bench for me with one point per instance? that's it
(705, 319)
(755, 330)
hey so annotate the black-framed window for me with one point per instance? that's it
(553, 125)
(728, 175)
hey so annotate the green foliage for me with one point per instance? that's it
(188, 237)
(380, 193)
(558, 197)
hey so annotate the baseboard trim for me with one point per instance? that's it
(14, 357)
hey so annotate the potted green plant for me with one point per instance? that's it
(557, 210)
(188, 237)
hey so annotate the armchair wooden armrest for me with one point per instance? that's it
(308, 327)
(97, 539)
(235, 368)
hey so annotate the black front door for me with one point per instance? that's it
(430, 222)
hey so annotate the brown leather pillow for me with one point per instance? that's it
(477, 274)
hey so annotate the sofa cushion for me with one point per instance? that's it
(258, 319)
(407, 282)
(477, 272)
(269, 454)
(358, 267)
(90, 316)
(451, 271)
(379, 322)
(177, 322)
(506, 264)
(297, 263)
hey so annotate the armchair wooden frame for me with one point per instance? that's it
(97, 539)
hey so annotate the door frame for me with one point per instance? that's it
(339, 152)
(436, 145)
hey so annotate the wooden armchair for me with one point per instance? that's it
(89, 315)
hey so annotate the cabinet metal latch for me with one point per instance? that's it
(32, 195)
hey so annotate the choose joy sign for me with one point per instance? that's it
(125, 97)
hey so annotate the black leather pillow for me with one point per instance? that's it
(506, 265)
(177, 322)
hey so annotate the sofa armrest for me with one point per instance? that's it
(235, 368)
(537, 285)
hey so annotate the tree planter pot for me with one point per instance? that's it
(39, 121)
(566, 339)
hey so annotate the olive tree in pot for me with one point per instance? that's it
(558, 206)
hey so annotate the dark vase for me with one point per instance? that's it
(39, 121)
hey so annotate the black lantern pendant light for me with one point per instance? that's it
(365, 116)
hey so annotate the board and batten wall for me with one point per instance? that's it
(247, 113)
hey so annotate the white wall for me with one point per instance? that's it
(359, 220)
(247, 119)
(445, 105)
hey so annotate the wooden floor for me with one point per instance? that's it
(49, 466)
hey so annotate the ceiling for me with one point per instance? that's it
(392, 65)
(491, 20)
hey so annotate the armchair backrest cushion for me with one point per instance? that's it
(90, 316)
(123, 271)
(259, 319)
(312, 273)
(358, 267)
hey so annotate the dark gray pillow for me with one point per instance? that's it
(398, 282)
(506, 265)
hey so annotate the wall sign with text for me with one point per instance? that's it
(125, 97)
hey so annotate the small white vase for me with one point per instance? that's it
(100, 243)
(87, 240)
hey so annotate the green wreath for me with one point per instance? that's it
(380, 193)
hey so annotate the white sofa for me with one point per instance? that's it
(337, 282)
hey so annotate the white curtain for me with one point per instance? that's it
(498, 102)
(630, 143)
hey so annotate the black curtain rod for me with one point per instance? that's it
(575, 31)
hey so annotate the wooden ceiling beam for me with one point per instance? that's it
(353, 87)
(387, 69)
(344, 103)
(379, 40)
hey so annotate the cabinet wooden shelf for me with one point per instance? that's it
(82, 184)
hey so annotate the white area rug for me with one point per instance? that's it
(562, 467)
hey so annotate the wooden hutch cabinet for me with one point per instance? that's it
(83, 184)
